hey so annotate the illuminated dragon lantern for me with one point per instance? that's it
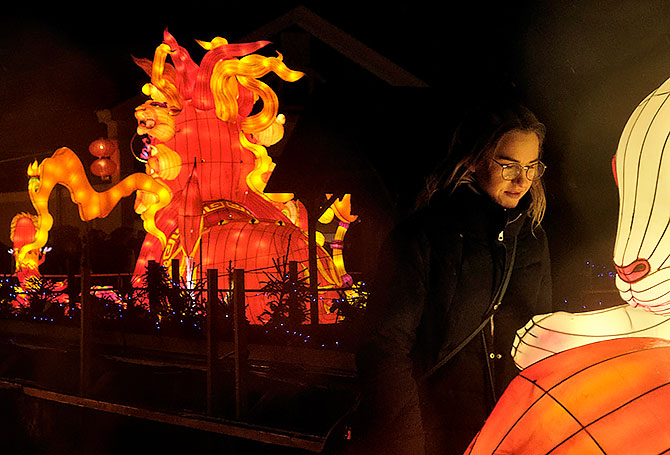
(209, 150)
(202, 197)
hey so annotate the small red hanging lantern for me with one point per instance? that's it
(103, 149)
(103, 167)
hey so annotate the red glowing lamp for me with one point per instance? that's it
(103, 149)
(609, 397)
(103, 167)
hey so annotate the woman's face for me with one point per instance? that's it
(520, 147)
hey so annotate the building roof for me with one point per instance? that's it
(342, 42)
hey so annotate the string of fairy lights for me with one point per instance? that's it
(14, 303)
(596, 288)
(48, 301)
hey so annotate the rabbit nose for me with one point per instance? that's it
(634, 271)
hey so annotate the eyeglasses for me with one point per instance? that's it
(513, 170)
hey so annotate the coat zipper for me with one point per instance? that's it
(490, 356)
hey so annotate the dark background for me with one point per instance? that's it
(581, 66)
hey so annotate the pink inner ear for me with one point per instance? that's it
(634, 271)
(616, 180)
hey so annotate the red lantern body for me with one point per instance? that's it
(22, 232)
(610, 397)
(236, 225)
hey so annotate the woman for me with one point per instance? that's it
(479, 218)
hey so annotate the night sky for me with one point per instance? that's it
(581, 66)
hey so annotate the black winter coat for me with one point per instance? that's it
(441, 270)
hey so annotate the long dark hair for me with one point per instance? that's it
(474, 141)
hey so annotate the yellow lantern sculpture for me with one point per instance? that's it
(641, 170)
(597, 382)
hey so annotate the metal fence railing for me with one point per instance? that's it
(215, 305)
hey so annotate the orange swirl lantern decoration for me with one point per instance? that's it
(65, 168)
(208, 126)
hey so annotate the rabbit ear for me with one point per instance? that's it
(616, 179)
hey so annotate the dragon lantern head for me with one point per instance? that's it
(227, 80)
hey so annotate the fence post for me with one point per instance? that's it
(86, 321)
(212, 309)
(240, 343)
(152, 275)
(293, 303)
(72, 293)
(313, 269)
(175, 271)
